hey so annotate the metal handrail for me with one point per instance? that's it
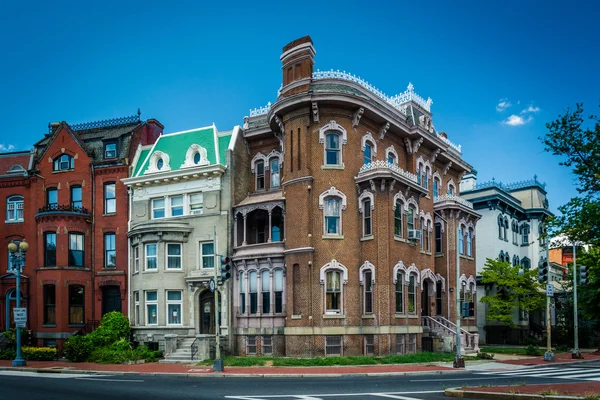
(194, 348)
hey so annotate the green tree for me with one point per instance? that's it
(511, 288)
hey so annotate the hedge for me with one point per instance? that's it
(30, 354)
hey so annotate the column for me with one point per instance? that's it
(269, 235)
(235, 236)
(244, 241)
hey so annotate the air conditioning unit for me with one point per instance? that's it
(196, 212)
(414, 234)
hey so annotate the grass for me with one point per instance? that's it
(424, 357)
(549, 392)
(591, 396)
(522, 351)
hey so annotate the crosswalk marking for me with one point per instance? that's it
(389, 395)
(589, 374)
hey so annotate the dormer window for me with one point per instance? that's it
(159, 164)
(110, 150)
(64, 162)
(197, 158)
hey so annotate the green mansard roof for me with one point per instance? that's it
(176, 146)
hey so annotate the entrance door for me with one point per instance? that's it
(207, 313)
(111, 299)
(425, 299)
(11, 302)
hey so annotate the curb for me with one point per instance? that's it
(471, 394)
(550, 363)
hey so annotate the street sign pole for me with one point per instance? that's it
(218, 364)
(576, 353)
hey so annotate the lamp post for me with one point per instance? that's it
(17, 259)
(459, 360)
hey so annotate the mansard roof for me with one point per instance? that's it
(15, 164)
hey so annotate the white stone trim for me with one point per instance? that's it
(411, 200)
(425, 163)
(438, 278)
(332, 191)
(258, 157)
(333, 265)
(392, 150)
(428, 274)
(273, 154)
(399, 267)
(367, 266)
(191, 152)
(365, 195)
(332, 126)
(400, 196)
(441, 221)
(157, 155)
(427, 218)
(470, 281)
(412, 269)
(451, 182)
(368, 137)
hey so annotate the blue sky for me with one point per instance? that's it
(189, 64)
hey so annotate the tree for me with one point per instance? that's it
(515, 289)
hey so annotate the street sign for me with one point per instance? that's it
(549, 290)
(212, 284)
(20, 317)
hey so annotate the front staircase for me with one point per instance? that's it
(183, 354)
(445, 330)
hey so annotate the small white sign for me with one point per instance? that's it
(549, 290)
(20, 317)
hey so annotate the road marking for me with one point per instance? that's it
(391, 395)
(573, 373)
(110, 380)
(50, 375)
(459, 379)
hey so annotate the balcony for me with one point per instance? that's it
(454, 202)
(259, 231)
(386, 171)
(56, 209)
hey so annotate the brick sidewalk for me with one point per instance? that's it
(559, 357)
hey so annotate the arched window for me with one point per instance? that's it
(412, 294)
(410, 219)
(333, 151)
(419, 172)
(64, 162)
(525, 233)
(400, 292)
(451, 189)
(332, 202)
(438, 237)
(505, 229)
(425, 180)
(500, 226)
(526, 263)
(265, 283)
(398, 226)
(461, 240)
(367, 278)
(366, 206)
(260, 175)
(436, 187)
(333, 292)
(470, 242)
(392, 159)
(196, 158)
(14, 208)
(368, 153)
(274, 166)
(242, 284)
(278, 290)
(428, 236)
(252, 289)
(422, 230)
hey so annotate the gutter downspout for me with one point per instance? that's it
(127, 282)
(93, 242)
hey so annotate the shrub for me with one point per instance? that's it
(144, 353)
(532, 350)
(11, 337)
(109, 355)
(113, 327)
(485, 356)
(563, 348)
(39, 353)
(77, 348)
(8, 354)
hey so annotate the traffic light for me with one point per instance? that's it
(583, 275)
(225, 268)
(543, 271)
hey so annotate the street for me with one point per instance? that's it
(49, 386)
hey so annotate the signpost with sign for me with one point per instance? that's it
(20, 315)
(549, 290)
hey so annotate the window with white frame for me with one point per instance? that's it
(422, 229)
(419, 172)
(136, 259)
(110, 198)
(398, 225)
(438, 238)
(174, 255)
(333, 151)
(14, 209)
(207, 254)
(110, 150)
(391, 158)
(451, 189)
(368, 292)
(158, 208)
(196, 205)
(368, 153)
(461, 240)
(151, 257)
(333, 345)
(369, 345)
(436, 187)
(265, 283)
(253, 291)
(333, 216)
(176, 206)
(333, 292)
(400, 292)
(259, 169)
(110, 250)
(525, 233)
(410, 220)
(278, 290)
(151, 307)
(174, 307)
(136, 308)
(251, 345)
(412, 293)
(428, 236)
(274, 164)
(242, 293)
(515, 232)
(267, 344)
(425, 179)
(367, 218)
(64, 162)
(469, 242)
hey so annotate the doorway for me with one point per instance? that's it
(438, 298)
(425, 299)
(11, 302)
(207, 313)
(111, 299)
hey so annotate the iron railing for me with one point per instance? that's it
(194, 348)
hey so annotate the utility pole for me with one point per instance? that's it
(576, 353)
(459, 361)
(218, 364)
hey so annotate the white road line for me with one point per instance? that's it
(516, 371)
(393, 395)
(579, 375)
(50, 375)
(460, 379)
(110, 380)
(546, 373)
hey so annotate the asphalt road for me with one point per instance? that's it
(46, 386)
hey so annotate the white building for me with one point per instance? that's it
(511, 229)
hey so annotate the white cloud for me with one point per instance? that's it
(503, 104)
(5, 148)
(530, 109)
(517, 120)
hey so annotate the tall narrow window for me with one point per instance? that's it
(369, 345)
(176, 206)
(251, 345)
(469, 242)
(368, 153)
(400, 293)
(438, 238)
(136, 310)
(505, 225)
(76, 250)
(52, 198)
(398, 220)
(426, 178)
(76, 305)
(450, 189)
(242, 293)
(392, 158)
(174, 307)
(332, 149)
(368, 294)
(367, 219)
(332, 216)
(525, 229)
(207, 251)
(461, 240)
(428, 236)
(136, 259)
(76, 200)
(412, 294)
(110, 250)
(274, 172)
(49, 305)
(49, 249)
(419, 172)
(295, 286)
(110, 198)
(151, 254)
(410, 220)
(436, 187)
(278, 290)
(422, 229)
(333, 292)
(196, 204)
(151, 308)
(173, 255)
(265, 282)
(252, 281)
(158, 208)
(260, 175)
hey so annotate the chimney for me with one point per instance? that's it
(297, 64)
(469, 181)
(443, 134)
